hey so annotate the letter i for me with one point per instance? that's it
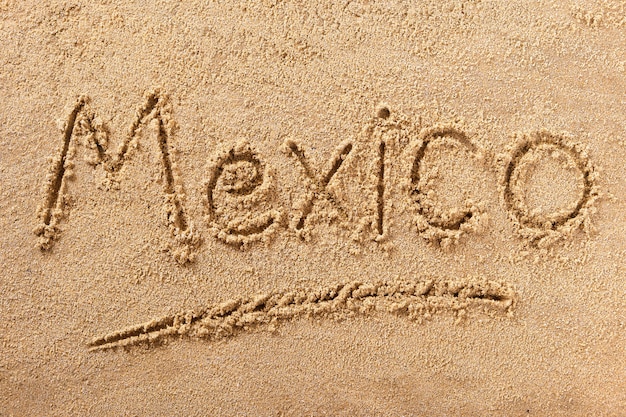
(380, 198)
(382, 113)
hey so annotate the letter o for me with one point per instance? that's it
(514, 201)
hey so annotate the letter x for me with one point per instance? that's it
(319, 184)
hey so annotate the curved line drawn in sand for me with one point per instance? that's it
(319, 184)
(543, 230)
(82, 120)
(416, 300)
(240, 185)
(447, 227)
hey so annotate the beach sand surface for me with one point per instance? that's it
(312, 208)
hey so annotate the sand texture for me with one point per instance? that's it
(278, 208)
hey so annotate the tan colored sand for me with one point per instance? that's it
(279, 208)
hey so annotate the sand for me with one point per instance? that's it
(279, 208)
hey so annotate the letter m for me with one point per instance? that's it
(82, 120)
